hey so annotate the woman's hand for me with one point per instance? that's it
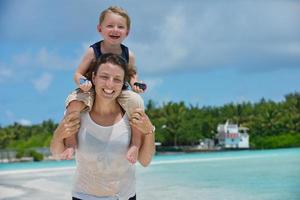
(67, 127)
(141, 121)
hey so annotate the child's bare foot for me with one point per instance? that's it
(67, 154)
(132, 154)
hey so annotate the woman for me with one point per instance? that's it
(102, 170)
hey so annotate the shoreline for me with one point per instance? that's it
(22, 171)
(175, 160)
(174, 150)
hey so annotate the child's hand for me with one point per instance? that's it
(139, 87)
(67, 154)
(85, 85)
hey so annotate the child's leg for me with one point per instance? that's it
(135, 144)
(130, 101)
(77, 101)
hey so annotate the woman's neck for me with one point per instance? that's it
(106, 107)
(106, 114)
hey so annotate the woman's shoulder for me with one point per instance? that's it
(84, 116)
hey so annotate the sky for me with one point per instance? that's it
(205, 53)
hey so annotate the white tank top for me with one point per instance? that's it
(102, 170)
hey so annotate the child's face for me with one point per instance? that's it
(113, 28)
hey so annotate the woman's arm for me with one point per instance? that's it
(141, 122)
(147, 149)
(67, 127)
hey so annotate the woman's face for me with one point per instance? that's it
(108, 81)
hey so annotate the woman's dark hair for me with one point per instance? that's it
(113, 59)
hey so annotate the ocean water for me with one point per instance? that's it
(247, 175)
(230, 175)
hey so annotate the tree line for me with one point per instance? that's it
(271, 124)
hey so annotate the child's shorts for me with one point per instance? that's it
(128, 100)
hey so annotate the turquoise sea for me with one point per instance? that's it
(229, 175)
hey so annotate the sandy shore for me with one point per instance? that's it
(8, 192)
(36, 184)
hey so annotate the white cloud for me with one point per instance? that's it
(43, 82)
(153, 83)
(5, 74)
(46, 59)
(172, 35)
(205, 35)
(9, 114)
(24, 122)
(169, 49)
(181, 35)
(43, 58)
(292, 48)
(30, 62)
(22, 59)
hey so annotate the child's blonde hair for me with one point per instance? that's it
(117, 10)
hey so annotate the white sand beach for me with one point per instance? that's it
(36, 184)
(8, 192)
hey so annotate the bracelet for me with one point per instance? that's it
(152, 131)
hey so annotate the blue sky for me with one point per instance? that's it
(200, 52)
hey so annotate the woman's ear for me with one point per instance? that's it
(93, 78)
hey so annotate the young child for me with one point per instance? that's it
(114, 26)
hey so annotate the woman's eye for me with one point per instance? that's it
(118, 80)
(104, 77)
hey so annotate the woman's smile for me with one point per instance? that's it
(108, 92)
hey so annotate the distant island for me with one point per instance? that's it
(271, 125)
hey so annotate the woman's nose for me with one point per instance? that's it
(109, 83)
